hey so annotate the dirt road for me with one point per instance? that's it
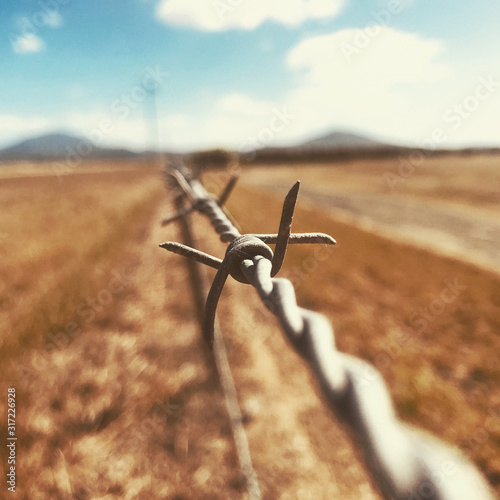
(448, 230)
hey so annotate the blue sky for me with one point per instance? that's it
(246, 73)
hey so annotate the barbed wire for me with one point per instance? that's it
(405, 463)
(198, 280)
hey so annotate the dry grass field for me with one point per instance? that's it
(58, 238)
(116, 394)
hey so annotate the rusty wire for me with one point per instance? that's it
(198, 280)
(404, 462)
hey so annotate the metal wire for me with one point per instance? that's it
(405, 463)
(198, 281)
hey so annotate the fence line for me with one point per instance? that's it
(198, 281)
(405, 464)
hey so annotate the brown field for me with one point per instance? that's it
(447, 204)
(116, 394)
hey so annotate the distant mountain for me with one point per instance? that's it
(343, 140)
(55, 146)
(46, 145)
(334, 146)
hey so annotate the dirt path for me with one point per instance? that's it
(449, 231)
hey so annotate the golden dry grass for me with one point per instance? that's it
(58, 242)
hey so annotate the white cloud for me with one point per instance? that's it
(220, 15)
(389, 57)
(27, 44)
(392, 89)
(103, 128)
(391, 86)
(397, 86)
(26, 40)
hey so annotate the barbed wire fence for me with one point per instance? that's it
(199, 287)
(404, 463)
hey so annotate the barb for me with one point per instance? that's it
(193, 253)
(298, 238)
(227, 190)
(178, 215)
(285, 228)
(402, 460)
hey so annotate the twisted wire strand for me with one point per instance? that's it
(213, 211)
(198, 281)
(406, 463)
